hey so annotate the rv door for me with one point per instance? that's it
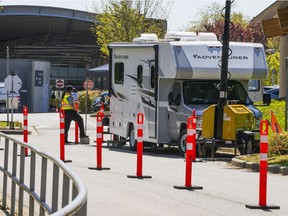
(149, 99)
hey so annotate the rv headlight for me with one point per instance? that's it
(257, 122)
(198, 121)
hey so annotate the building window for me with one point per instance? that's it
(119, 73)
(140, 74)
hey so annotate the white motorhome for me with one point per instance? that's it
(166, 79)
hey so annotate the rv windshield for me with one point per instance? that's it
(205, 92)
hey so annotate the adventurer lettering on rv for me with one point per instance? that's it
(120, 56)
(219, 57)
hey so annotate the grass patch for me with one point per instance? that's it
(281, 160)
(3, 125)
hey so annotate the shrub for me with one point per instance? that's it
(91, 97)
(278, 144)
(82, 100)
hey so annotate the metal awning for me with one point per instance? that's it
(48, 33)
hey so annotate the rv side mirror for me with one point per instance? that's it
(266, 98)
(170, 98)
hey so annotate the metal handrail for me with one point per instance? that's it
(75, 205)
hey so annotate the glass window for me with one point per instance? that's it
(140, 74)
(119, 73)
(206, 92)
(152, 76)
(176, 93)
(254, 85)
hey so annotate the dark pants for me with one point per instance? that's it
(72, 115)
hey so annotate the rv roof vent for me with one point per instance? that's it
(178, 35)
(146, 37)
(206, 36)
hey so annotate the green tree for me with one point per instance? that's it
(123, 20)
(241, 30)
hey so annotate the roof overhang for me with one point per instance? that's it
(48, 33)
(274, 19)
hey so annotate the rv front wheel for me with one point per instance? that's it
(182, 142)
(132, 140)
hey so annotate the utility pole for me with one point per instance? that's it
(224, 70)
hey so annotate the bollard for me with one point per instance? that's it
(193, 135)
(25, 128)
(62, 136)
(190, 149)
(99, 141)
(263, 169)
(76, 126)
(140, 121)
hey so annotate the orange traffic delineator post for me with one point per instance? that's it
(263, 169)
(62, 136)
(140, 121)
(25, 127)
(76, 126)
(190, 145)
(99, 141)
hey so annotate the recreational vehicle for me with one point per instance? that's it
(166, 79)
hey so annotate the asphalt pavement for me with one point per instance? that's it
(226, 188)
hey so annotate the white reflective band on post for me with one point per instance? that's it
(25, 117)
(140, 139)
(62, 131)
(194, 120)
(25, 127)
(193, 131)
(190, 132)
(140, 126)
(189, 146)
(62, 120)
(99, 135)
(99, 124)
(264, 138)
(263, 157)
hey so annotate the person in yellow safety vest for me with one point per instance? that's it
(71, 113)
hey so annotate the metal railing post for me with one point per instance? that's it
(22, 170)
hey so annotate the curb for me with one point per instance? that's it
(255, 166)
(14, 132)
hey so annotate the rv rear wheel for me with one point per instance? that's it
(132, 140)
(182, 142)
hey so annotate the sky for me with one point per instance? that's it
(181, 14)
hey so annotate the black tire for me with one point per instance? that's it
(250, 146)
(132, 139)
(182, 142)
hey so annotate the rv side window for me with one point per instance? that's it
(119, 73)
(140, 74)
(176, 93)
(254, 85)
(152, 76)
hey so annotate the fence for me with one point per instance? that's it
(50, 184)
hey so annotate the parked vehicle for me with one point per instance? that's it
(166, 80)
(96, 105)
(274, 92)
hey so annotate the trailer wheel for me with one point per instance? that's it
(182, 142)
(132, 140)
(250, 146)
